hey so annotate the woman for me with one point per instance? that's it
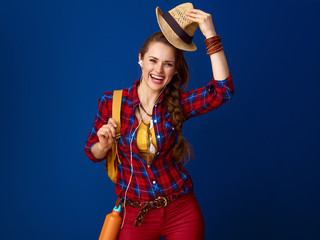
(151, 177)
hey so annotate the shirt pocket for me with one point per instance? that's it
(169, 132)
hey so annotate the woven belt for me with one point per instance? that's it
(159, 202)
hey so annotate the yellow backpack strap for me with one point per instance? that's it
(116, 115)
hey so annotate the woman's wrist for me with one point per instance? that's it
(99, 151)
(210, 34)
(101, 148)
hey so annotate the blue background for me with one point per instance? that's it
(256, 165)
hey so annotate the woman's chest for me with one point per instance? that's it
(162, 123)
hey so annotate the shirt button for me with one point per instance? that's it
(156, 105)
(172, 128)
(158, 136)
(154, 182)
(158, 153)
(155, 121)
(148, 166)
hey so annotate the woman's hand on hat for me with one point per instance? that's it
(204, 20)
(106, 134)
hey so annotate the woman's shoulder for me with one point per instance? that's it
(106, 97)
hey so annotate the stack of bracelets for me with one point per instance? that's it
(213, 44)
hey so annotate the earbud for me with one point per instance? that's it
(140, 62)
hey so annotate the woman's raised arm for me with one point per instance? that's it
(219, 63)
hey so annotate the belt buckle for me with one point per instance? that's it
(165, 202)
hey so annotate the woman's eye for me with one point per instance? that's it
(152, 60)
(169, 65)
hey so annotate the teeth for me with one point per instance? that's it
(156, 77)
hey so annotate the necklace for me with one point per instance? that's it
(151, 150)
(146, 124)
(150, 115)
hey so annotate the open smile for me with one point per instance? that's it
(157, 79)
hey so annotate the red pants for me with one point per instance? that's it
(179, 220)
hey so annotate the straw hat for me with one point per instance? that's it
(177, 28)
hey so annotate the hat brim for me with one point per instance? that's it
(171, 36)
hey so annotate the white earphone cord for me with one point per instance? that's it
(125, 194)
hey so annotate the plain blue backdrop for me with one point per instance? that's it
(256, 165)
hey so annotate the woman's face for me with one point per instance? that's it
(158, 66)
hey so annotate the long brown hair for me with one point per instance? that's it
(182, 150)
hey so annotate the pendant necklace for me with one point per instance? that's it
(151, 150)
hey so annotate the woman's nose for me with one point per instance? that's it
(159, 67)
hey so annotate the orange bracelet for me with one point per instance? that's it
(213, 44)
(212, 39)
(214, 51)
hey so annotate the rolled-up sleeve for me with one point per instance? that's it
(208, 98)
(101, 118)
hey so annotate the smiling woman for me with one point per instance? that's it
(158, 67)
(166, 66)
(152, 180)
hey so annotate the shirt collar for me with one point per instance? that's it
(133, 99)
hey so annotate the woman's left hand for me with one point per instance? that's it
(204, 20)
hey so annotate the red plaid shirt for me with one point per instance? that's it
(163, 176)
